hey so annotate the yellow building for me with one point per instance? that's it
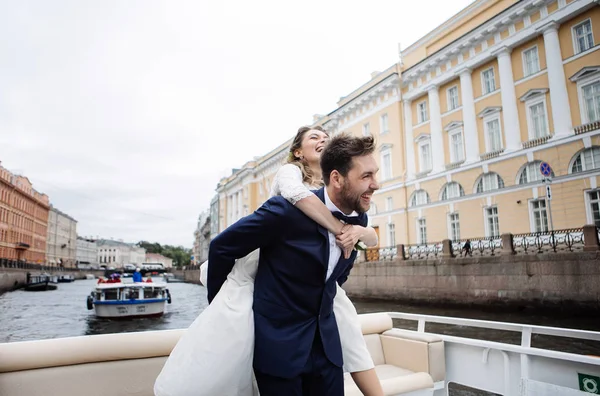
(463, 122)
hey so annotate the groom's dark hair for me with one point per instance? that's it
(340, 151)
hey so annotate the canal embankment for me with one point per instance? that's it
(565, 280)
(16, 278)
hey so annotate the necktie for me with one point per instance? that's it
(346, 219)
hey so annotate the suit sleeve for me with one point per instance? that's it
(364, 221)
(246, 235)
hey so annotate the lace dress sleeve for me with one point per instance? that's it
(288, 184)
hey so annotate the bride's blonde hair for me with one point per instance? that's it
(308, 176)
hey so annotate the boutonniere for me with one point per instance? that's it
(360, 246)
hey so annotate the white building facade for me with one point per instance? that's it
(155, 258)
(87, 253)
(117, 253)
(61, 243)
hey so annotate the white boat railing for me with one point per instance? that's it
(526, 332)
(524, 350)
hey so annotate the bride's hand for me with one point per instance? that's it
(348, 238)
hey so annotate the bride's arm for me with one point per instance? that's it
(288, 184)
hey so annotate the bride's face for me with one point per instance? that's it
(313, 144)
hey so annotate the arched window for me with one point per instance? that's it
(419, 197)
(530, 173)
(488, 182)
(451, 190)
(585, 160)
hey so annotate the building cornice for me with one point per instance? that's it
(491, 28)
(445, 25)
(386, 85)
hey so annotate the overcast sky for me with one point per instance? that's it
(127, 113)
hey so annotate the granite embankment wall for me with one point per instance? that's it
(15, 278)
(189, 275)
(568, 279)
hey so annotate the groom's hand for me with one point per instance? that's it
(348, 238)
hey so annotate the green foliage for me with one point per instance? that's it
(179, 254)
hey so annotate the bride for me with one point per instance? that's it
(214, 356)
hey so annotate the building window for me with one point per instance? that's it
(384, 123)
(492, 228)
(386, 164)
(583, 39)
(421, 231)
(372, 210)
(538, 120)
(493, 134)
(591, 102)
(594, 206)
(488, 182)
(531, 61)
(419, 197)
(530, 173)
(488, 84)
(452, 190)
(586, 160)
(422, 112)
(538, 215)
(425, 162)
(457, 151)
(389, 204)
(452, 98)
(391, 234)
(366, 129)
(454, 226)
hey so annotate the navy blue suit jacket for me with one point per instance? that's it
(292, 299)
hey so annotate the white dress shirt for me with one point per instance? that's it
(335, 252)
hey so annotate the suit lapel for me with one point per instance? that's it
(323, 231)
(341, 266)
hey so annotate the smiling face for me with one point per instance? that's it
(312, 145)
(358, 186)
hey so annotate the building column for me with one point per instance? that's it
(471, 140)
(510, 114)
(409, 141)
(435, 128)
(561, 110)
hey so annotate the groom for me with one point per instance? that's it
(297, 346)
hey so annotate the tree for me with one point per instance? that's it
(180, 255)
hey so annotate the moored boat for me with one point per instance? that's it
(66, 279)
(113, 299)
(41, 282)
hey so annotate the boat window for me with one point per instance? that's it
(128, 294)
(148, 292)
(110, 294)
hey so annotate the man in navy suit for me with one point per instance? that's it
(297, 345)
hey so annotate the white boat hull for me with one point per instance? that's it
(129, 310)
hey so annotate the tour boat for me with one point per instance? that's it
(113, 299)
(415, 363)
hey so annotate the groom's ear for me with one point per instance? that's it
(336, 179)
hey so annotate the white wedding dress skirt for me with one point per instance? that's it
(215, 355)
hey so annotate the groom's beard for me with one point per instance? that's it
(351, 199)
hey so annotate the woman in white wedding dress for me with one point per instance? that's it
(214, 356)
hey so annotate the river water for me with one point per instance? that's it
(63, 313)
